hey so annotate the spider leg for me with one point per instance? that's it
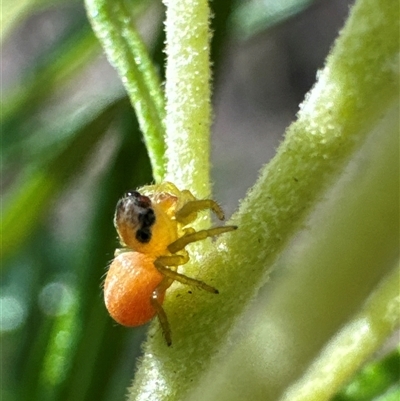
(156, 302)
(162, 264)
(188, 212)
(181, 242)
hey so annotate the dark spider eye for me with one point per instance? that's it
(147, 219)
(143, 235)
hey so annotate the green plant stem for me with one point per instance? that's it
(188, 95)
(113, 26)
(356, 98)
(324, 278)
(354, 344)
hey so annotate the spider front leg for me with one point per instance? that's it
(188, 212)
(162, 264)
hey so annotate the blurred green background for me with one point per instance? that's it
(71, 146)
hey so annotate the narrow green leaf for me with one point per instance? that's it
(113, 25)
(252, 17)
(47, 74)
(374, 379)
(12, 12)
(36, 190)
(393, 394)
(354, 343)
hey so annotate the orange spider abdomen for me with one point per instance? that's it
(128, 287)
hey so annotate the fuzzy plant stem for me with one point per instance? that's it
(188, 95)
(350, 116)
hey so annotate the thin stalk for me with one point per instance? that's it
(113, 26)
(188, 95)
